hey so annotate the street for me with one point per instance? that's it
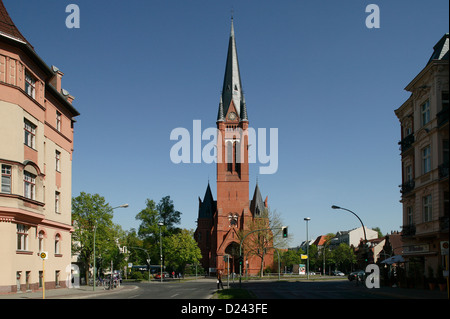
(204, 289)
(333, 289)
(193, 289)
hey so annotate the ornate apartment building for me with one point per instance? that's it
(36, 145)
(425, 162)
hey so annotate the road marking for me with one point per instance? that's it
(174, 295)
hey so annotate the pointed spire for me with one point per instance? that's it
(243, 115)
(208, 206)
(220, 115)
(232, 86)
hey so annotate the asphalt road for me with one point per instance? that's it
(193, 289)
(333, 289)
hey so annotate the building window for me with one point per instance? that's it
(41, 240)
(58, 160)
(22, 237)
(30, 85)
(426, 159)
(57, 284)
(29, 181)
(408, 173)
(27, 280)
(445, 152)
(58, 121)
(445, 100)
(425, 109)
(409, 216)
(30, 134)
(6, 179)
(427, 209)
(229, 156)
(57, 245)
(57, 202)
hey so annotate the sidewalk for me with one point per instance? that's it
(69, 293)
(404, 293)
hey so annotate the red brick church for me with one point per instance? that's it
(223, 222)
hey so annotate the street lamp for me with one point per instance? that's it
(307, 219)
(160, 224)
(95, 231)
(364, 229)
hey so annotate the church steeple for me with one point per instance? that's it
(232, 85)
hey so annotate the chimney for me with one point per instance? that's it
(56, 79)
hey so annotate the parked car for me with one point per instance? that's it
(357, 274)
(164, 275)
(337, 273)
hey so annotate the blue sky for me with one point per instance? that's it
(312, 69)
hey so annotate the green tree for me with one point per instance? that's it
(265, 237)
(314, 258)
(167, 213)
(343, 256)
(90, 214)
(291, 257)
(182, 249)
(149, 230)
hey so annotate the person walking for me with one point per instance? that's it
(219, 279)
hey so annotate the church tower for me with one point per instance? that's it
(222, 222)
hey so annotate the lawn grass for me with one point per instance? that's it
(234, 293)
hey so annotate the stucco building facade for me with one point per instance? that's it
(425, 162)
(36, 146)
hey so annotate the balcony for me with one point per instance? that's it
(406, 143)
(408, 230)
(443, 170)
(407, 187)
(442, 117)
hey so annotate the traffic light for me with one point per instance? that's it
(284, 230)
(241, 260)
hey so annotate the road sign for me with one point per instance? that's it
(444, 247)
(43, 255)
(303, 256)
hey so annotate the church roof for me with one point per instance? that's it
(207, 208)
(232, 85)
(8, 28)
(257, 205)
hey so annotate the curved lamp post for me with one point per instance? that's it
(364, 229)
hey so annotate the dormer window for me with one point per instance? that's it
(30, 85)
